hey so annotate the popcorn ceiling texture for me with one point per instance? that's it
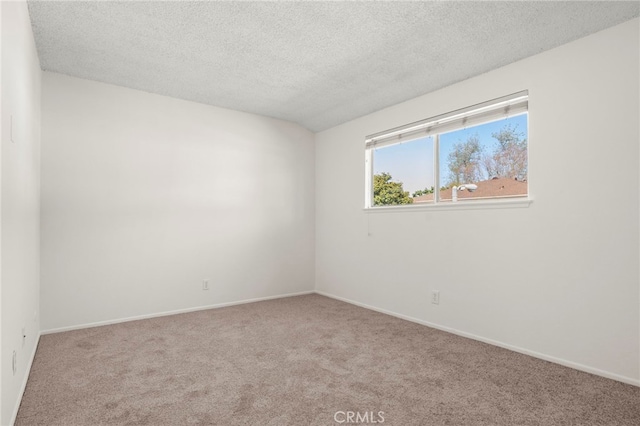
(318, 64)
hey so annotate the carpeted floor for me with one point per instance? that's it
(306, 360)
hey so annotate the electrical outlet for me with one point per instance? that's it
(14, 363)
(435, 297)
(205, 284)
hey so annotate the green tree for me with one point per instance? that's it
(464, 162)
(387, 193)
(425, 191)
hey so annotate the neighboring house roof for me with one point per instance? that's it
(496, 187)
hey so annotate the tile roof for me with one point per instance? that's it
(496, 187)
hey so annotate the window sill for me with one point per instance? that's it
(459, 205)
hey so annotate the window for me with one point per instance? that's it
(472, 154)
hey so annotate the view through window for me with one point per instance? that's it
(479, 153)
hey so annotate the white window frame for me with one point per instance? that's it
(503, 107)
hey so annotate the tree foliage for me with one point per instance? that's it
(468, 162)
(425, 191)
(464, 162)
(386, 192)
(509, 159)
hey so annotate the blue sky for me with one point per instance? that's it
(412, 162)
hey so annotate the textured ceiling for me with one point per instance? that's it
(318, 64)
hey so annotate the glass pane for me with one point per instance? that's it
(403, 173)
(492, 156)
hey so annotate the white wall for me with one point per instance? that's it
(20, 201)
(558, 279)
(144, 196)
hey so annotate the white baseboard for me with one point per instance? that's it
(167, 313)
(570, 364)
(23, 387)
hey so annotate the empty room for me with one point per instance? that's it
(320, 213)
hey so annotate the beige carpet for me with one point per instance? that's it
(299, 361)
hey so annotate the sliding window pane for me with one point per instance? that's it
(403, 173)
(491, 156)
